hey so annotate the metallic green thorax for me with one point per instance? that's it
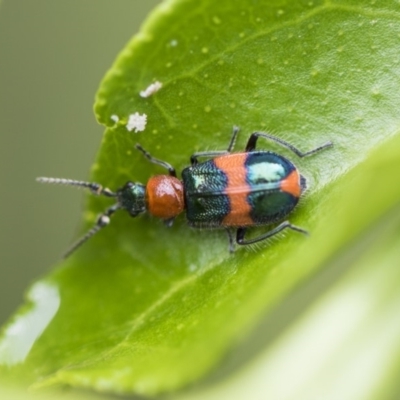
(131, 197)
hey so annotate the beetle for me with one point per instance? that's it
(229, 190)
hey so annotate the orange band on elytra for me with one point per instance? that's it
(233, 165)
(291, 184)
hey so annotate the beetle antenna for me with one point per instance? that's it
(102, 221)
(95, 188)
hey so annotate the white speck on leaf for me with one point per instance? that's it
(136, 122)
(151, 89)
(115, 118)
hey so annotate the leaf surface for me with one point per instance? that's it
(145, 309)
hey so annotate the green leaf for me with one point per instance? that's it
(346, 343)
(145, 309)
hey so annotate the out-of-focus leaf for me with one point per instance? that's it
(145, 309)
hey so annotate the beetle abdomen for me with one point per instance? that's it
(241, 189)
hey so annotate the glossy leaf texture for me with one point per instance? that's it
(145, 309)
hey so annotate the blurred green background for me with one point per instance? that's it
(53, 55)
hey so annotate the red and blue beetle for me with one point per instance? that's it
(230, 190)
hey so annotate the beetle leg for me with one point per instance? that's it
(153, 160)
(232, 142)
(231, 242)
(286, 224)
(169, 222)
(194, 158)
(251, 144)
